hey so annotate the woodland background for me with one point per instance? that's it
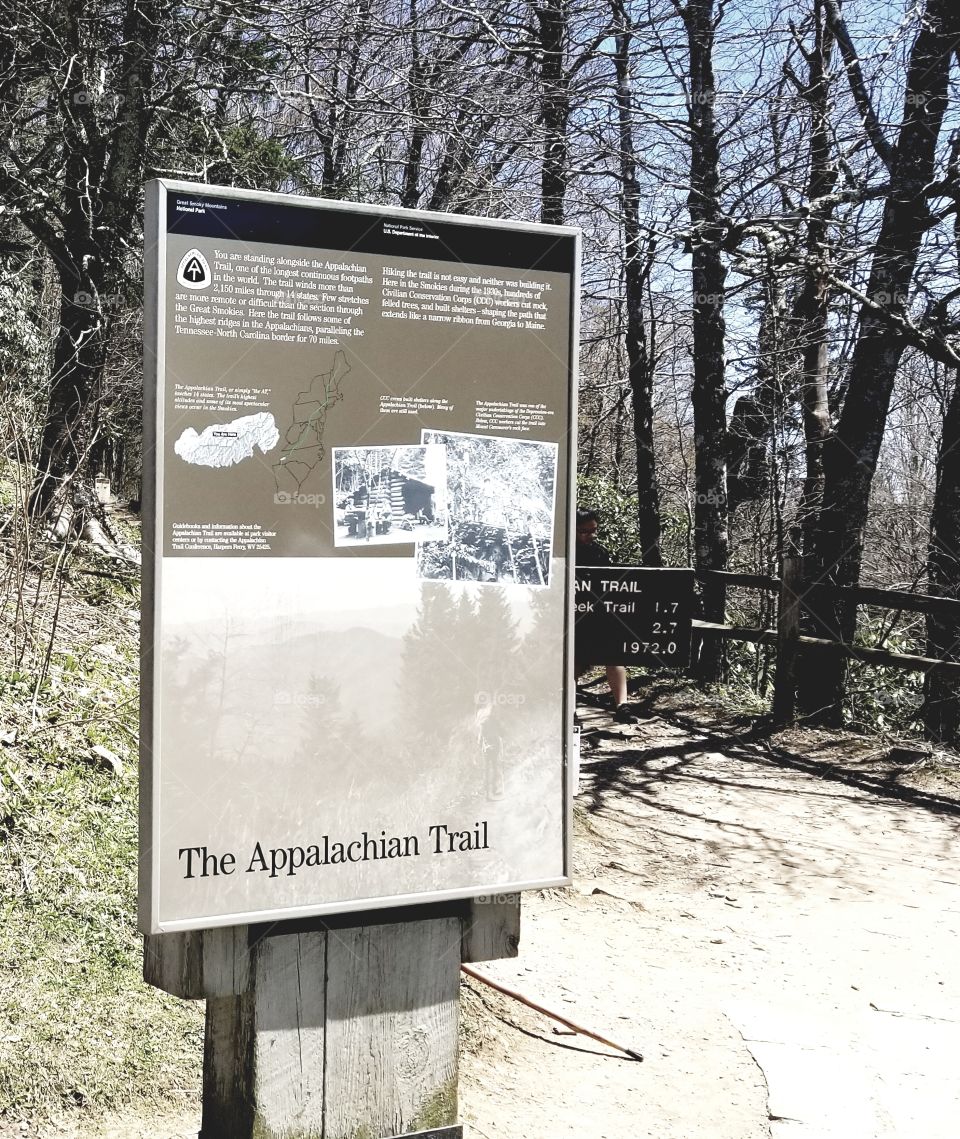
(769, 199)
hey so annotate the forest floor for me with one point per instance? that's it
(771, 920)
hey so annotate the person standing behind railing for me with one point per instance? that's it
(591, 553)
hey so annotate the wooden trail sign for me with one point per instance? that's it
(633, 615)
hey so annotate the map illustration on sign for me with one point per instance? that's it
(226, 444)
(304, 448)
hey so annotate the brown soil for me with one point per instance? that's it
(771, 921)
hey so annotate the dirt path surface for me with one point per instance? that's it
(772, 924)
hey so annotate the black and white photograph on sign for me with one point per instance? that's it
(500, 496)
(386, 495)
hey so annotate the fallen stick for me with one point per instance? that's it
(571, 1024)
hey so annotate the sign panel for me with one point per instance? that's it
(633, 615)
(357, 539)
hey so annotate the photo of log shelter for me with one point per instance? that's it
(385, 495)
(501, 493)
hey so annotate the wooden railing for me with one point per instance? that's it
(794, 598)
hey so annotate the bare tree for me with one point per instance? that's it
(850, 455)
(708, 233)
(88, 96)
(638, 261)
(812, 307)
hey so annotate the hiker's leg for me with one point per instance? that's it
(617, 679)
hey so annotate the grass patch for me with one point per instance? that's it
(78, 1027)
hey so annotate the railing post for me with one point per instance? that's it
(788, 632)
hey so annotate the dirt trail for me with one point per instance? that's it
(774, 927)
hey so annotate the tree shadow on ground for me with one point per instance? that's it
(636, 769)
(686, 797)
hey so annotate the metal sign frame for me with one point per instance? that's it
(155, 325)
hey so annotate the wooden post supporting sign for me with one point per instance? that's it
(330, 1030)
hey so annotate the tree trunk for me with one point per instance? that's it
(79, 358)
(811, 311)
(78, 366)
(418, 88)
(753, 424)
(812, 308)
(101, 204)
(850, 455)
(554, 109)
(709, 374)
(636, 273)
(340, 117)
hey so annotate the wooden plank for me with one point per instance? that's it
(897, 599)
(226, 961)
(740, 580)
(198, 963)
(174, 962)
(228, 1100)
(491, 929)
(906, 661)
(788, 633)
(216, 962)
(288, 1042)
(735, 632)
(263, 1069)
(392, 1013)
(883, 657)
(891, 599)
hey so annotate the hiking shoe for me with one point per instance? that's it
(623, 715)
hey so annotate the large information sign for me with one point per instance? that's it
(357, 468)
(633, 615)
